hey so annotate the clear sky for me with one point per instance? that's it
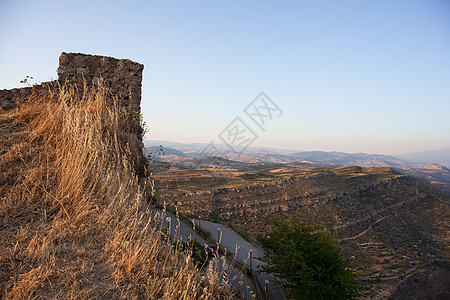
(352, 76)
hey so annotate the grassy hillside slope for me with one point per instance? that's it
(74, 222)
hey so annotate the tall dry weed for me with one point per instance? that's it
(74, 222)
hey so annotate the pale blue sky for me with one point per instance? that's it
(352, 76)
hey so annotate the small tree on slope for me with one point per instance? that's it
(306, 261)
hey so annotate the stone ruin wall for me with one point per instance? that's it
(123, 77)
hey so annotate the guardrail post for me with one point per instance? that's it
(266, 285)
(251, 257)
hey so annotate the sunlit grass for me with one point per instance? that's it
(74, 221)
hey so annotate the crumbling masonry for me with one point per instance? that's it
(123, 77)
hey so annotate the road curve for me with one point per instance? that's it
(236, 244)
(183, 232)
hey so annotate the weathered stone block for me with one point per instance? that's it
(122, 76)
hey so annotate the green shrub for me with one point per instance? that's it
(306, 261)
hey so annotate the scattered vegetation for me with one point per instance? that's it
(195, 250)
(30, 81)
(214, 216)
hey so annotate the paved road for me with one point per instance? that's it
(234, 242)
(179, 230)
(235, 276)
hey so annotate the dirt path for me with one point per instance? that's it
(365, 231)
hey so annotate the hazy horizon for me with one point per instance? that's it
(288, 149)
(348, 76)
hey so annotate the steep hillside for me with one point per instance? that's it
(388, 224)
(74, 222)
(437, 175)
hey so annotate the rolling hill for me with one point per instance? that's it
(347, 159)
(428, 157)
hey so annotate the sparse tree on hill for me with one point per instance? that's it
(306, 261)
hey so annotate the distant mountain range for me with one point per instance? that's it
(427, 165)
(355, 159)
(429, 157)
(261, 154)
(182, 152)
(159, 151)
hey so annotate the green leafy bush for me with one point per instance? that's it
(306, 261)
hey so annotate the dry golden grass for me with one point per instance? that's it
(74, 222)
